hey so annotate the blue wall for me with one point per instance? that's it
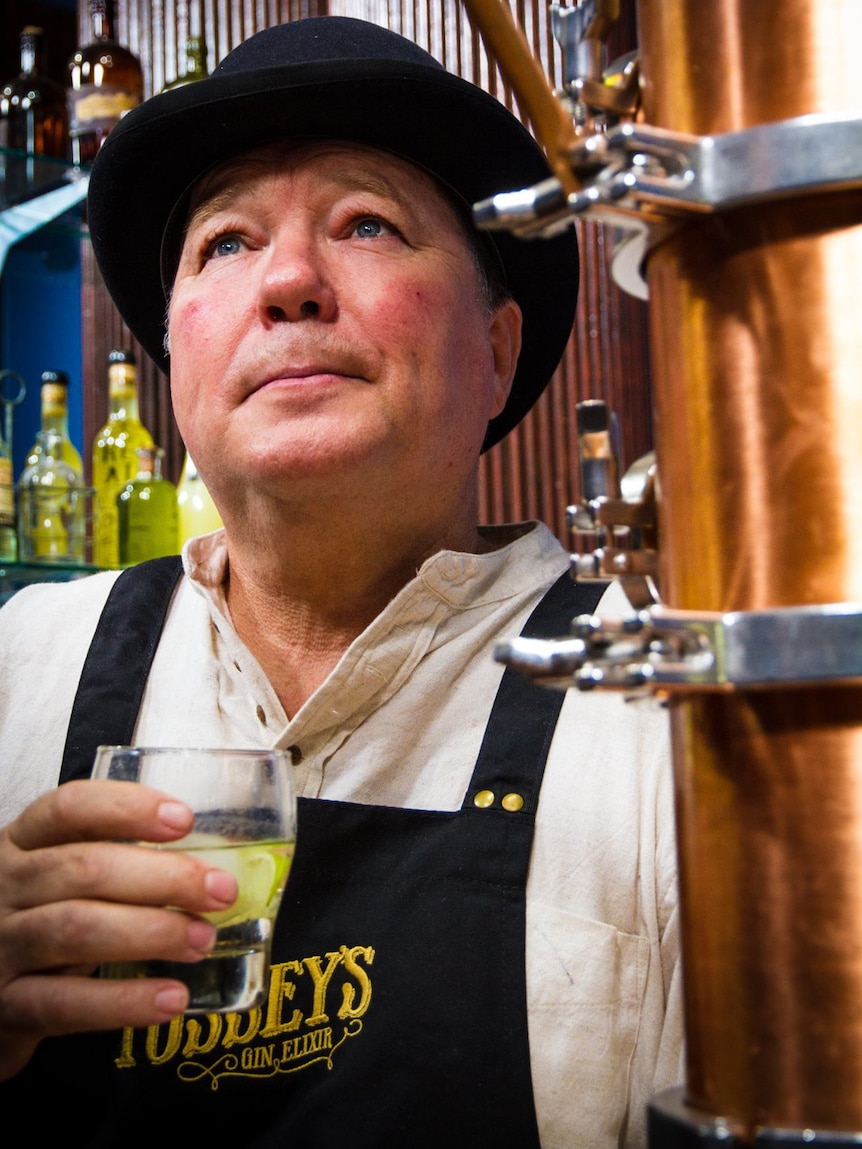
(40, 324)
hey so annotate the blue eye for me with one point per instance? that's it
(370, 228)
(225, 245)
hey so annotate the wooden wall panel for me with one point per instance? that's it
(533, 473)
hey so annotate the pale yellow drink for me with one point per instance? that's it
(234, 976)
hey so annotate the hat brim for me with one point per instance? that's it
(451, 128)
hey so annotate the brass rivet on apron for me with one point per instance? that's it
(513, 803)
(484, 799)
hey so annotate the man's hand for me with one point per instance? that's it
(74, 894)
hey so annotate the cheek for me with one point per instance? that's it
(200, 341)
(194, 325)
(194, 360)
(437, 326)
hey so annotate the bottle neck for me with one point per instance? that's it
(31, 52)
(190, 471)
(196, 58)
(101, 20)
(56, 419)
(122, 393)
(148, 464)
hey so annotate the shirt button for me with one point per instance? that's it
(295, 754)
(261, 716)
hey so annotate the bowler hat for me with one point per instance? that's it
(328, 77)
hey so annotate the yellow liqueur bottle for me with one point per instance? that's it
(55, 417)
(8, 535)
(115, 459)
(147, 508)
(51, 509)
(197, 512)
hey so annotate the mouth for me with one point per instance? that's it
(318, 375)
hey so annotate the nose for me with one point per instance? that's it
(295, 283)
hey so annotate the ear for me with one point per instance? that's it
(505, 334)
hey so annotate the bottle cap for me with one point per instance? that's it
(123, 355)
(58, 377)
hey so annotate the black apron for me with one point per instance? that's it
(396, 1016)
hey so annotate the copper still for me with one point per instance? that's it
(756, 343)
(757, 348)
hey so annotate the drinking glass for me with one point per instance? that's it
(245, 823)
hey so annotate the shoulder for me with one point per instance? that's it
(33, 614)
(45, 632)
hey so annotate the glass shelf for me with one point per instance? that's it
(34, 191)
(14, 576)
(25, 176)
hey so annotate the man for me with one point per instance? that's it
(478, 939)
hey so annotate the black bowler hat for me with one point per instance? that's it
(328, 77)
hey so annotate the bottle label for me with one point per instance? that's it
(7, 494)
(53, 399)
(94, 109)
(122, 381)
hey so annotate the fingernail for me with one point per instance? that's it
(202, 935)
(172, 1001)
(176, 815)
(221, 886)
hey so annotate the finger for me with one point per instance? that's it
(65, 935)
(33, 1008)
(112, 872)
(90, 810)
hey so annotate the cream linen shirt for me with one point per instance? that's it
(399, 722)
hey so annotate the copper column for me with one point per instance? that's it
(756, 328)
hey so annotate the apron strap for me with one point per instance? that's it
(118, 662)
(524, 716)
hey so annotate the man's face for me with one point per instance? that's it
(328, 319)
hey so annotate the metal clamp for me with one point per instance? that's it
(637, 169)
(643, 179)
(663, 649)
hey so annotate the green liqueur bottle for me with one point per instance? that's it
(195, 67)
(147, 509)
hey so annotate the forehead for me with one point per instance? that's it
(335, 164)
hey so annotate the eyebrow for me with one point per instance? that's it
(221, 199)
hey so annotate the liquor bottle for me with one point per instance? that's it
(115, 460)
(33, 120)
(147, 510)
(8, 537)
(195, 67)
(55, 417)
(105, 81)
(51, 523)
(197, 512)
